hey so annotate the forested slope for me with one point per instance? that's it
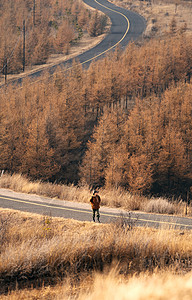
(45, 127)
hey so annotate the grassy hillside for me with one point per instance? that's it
(63, 256)
(163, 286)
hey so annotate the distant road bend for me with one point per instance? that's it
(83, 212)
(126, 26)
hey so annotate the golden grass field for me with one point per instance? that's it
(55, 258)
(157, 286)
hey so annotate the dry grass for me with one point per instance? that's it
(159, 286)
(36, 250)
(111, 198)
(160, 205)
(164, 286)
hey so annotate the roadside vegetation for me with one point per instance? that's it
(40, 250)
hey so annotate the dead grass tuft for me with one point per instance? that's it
(160, 205)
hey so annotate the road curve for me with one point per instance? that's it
(82, 211)
(126, 26)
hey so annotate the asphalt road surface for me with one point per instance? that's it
(83, 212)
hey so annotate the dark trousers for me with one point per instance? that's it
(98, 215)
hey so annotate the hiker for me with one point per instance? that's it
(95, 203)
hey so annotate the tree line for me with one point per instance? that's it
(80, 125)
(51, 26)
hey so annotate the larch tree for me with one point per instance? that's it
(139, 174)
(38, 161)
(96, 24)
(64, 35)
(13, 130)
(101, 148)
(69, 125)
(117, 168)
(173, 165)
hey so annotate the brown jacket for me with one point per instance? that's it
(95, 201)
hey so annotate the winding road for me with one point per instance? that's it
(126, 26)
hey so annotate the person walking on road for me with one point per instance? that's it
(95, 203)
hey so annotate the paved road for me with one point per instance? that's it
(126, 26)
(82, 211)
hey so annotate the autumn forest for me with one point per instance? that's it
(124, 122)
